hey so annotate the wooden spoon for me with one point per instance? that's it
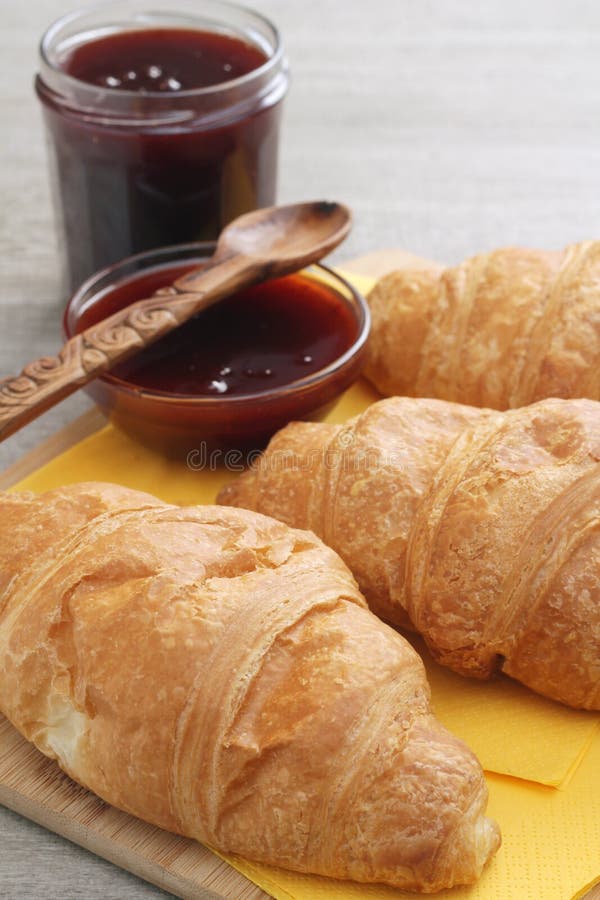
(263, 244)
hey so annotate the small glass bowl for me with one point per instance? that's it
(177, 423)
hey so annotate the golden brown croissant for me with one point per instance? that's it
(502, 330)
(481, 528)
(217, 673)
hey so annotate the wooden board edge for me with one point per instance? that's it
(110, 833)
(99, 846)
(84, 426)
(57, 443)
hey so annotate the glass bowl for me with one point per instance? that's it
(177, 423)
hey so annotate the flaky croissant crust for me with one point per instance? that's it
(217, 673)
(501, 330)
(480, 529)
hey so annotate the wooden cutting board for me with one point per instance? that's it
(35, 787)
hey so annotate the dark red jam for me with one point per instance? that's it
(158, 166)
(160, 59)
(255, 340)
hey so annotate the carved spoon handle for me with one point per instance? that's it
(44, 382)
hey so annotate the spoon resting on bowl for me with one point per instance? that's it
(257, 246)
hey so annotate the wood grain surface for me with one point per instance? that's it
(35, 787)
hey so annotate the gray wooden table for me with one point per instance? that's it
(449, 128)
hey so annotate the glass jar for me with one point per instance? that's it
(136, 169)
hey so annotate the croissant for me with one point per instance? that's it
(479, 529)
(501, 330)
(217, 674)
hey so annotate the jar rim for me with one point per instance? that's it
(273, 62)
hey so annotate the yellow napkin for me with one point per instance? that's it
(111, 455)
(551, 838)
(512, 730)
(550, 849)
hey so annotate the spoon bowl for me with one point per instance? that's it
(278, 239)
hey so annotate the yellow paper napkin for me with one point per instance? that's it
(550, 847)
(551, 837)
(512, 730)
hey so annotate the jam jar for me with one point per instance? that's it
(162, 126)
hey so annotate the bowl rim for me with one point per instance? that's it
(315, 378)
